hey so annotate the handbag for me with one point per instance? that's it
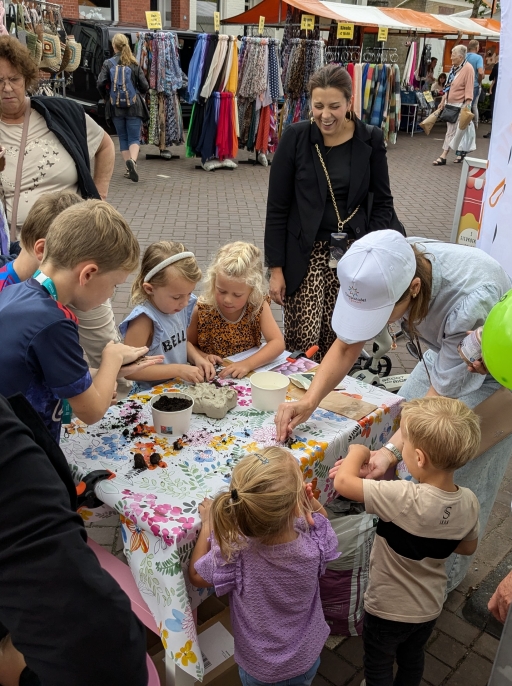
(466, 117)
(449, 114)
(75, 50)
(52, 56)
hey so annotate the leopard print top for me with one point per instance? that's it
(217, 336)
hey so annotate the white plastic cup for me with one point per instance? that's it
(172, 423)
(268, 390)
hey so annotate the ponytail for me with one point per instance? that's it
(121, 45)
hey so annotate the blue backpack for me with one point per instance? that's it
(122, 91)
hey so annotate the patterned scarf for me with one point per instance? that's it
(453, 73)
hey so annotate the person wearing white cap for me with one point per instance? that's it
(439, 291)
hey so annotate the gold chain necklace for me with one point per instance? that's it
(341, 223)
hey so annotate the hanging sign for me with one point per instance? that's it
(261, 25)
(307, 22)
(345, 30)
(154, 20)
(216, 21)
(383, 34)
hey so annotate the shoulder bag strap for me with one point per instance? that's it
(19, 170)
(341, 222)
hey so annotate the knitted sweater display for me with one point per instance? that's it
(212, 85)
(258, 93)
(158, 56)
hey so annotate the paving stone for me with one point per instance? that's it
(493, 548)
(477, 572)
(474, 671)
(111, 520)
(352, 650)
(457, 628)
(334, 641)
(447, 650)
(104, 535)
(320, 681)
(334, 668)
(435, 671)
(358, 678)
(455, 599)
(486, 646)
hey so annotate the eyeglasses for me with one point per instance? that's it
(13, 81)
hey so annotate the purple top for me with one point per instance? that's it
(274, 596)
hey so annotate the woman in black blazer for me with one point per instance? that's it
(301, 214)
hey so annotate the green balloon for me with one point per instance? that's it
(497, 341)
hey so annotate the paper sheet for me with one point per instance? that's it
(217, 645)
(252, 351)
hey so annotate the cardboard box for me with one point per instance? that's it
(226, 673)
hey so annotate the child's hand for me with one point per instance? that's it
(142, 363)
(126, 354)
(206, 367)
(333, 471)
(189, 373)
(478, 367)
(314, 504)
(237, 370)
(214, 359)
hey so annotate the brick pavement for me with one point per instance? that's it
(175, 201)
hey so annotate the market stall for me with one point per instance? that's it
(158, 506)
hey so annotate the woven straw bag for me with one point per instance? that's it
(75, 54)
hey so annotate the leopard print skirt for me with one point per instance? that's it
(308, 312)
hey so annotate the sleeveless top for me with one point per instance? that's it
(217, 336)
(169, 333)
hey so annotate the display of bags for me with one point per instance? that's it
(52, 54)
(75, 50)
(343, 586)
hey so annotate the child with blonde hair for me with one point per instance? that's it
(234, 311)
(420, 525)
(162, 293)
(266, 541)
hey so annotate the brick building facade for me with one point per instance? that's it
(175, 13)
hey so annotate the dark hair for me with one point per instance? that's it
(441, 74)
(20, 59)
(418, 309)
(331, 76)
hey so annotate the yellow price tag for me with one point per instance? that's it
(307, 22)
(216, 21)
(383, 34)
(428, 96)
(261, 25)
(345, 30)
(154, 20)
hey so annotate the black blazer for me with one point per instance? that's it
(298, 190)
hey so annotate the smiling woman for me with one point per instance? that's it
(329, 176)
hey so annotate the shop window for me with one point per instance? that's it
(100, 9)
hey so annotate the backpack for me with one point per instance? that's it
(122, 90)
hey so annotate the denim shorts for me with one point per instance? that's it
(300, 680)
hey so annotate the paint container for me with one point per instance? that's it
(470, 348)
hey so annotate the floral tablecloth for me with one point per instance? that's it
(158, 506)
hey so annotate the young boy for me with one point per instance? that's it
(89, 249)
(420, 525)
(33, 233)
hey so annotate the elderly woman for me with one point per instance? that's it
(438, 291)
(329, 175)
(58, 143)
(458, 92)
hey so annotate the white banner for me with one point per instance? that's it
(496, 228)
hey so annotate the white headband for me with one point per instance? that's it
(165, 263)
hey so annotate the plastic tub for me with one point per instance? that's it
(268, 390)
(172, 423)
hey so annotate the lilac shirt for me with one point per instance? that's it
(276, 613)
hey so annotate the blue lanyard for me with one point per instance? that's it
(46, 283)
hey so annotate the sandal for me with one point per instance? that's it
(439, 162)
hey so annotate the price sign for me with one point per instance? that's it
(216, 21)
(383, 34)
(428, 96)
(345, 30)
(154, 20)
(261, 25)
(307, 22)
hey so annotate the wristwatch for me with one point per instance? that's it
(393, 449)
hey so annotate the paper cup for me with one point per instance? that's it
(172, 423)
(268, 390)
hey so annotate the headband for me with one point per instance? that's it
(165, 263)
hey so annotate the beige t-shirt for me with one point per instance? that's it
(47, 165)
(419, 527)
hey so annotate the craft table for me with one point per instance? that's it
(158, 507)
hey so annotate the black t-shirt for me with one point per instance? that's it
(337, 160)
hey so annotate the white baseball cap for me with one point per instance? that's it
(374, 273)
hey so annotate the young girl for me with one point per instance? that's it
(234, 311)
(162, 292)
(270, 544)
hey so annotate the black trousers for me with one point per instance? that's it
(384, 641)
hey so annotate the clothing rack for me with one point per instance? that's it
(343, 54)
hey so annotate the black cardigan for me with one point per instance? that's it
(66, 119)
(298, 190)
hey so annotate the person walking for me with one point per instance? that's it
(493, 78)
(477, 62)
(458, 91)
(329, 175)
(120, 83)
